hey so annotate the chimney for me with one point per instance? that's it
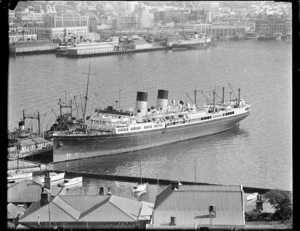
(162, 100)
(212, 211)
(174, 185)
(101, 190)
(47, 181)
(259, 203)
(44, 198)
(141, 102)
(173, 221)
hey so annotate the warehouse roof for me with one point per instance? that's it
(85, 208)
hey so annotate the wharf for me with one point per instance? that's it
(33, 47)
(49, 167)
(129, 51)
(24, 166)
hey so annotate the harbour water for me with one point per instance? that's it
(258, 153)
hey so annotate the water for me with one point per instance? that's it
(256, 154)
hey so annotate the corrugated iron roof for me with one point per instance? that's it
(24, 191)
(146, 211)
(162, 196)
(115, 209)
(32, 141)
(57, 214)
(130, 207)
(224, 188)
(199, 197)
(200, 201)
(68, 208)
(83, 203)
(39, 140)
(96, 208)
(14, 211)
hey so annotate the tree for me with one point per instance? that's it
(281, 201)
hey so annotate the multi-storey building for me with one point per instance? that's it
(11, 15)
(124, 7)
(66, 20)
(16, 34)
(163, 16)
(61, 32)
(208, 6)
(271, 26)
(27, 15)
(200, 28)
(219, 31)
(130, 22)
(34, 16)
(203, 28)
(147, 20)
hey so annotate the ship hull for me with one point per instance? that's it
(195, 46)
(77, 147)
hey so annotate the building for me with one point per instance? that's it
(21, 37)
(146, 20)
(200, 28)
(29, 15)
(13, 213)
(31, 144)
(60, 32)
(124, 7)
(66, 20)
(11, 15)
(209, 6)
(162, 16)
(130, 22)
(195, 206)
(24, 193)
(219, 31)
(86, 212)
(203, 28)
(271, 25)
(16, 34)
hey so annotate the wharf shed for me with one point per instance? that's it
(85, 212)
(32, 144)
(93, 49)
(24, 193)
(198, 205)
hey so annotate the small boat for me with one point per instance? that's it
(54, 176)
(139, 188)
(19, 176)
(71, 182)
(252, 196)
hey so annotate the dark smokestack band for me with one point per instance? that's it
(142, 96)
(162, 94)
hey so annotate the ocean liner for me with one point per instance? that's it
(111, 131)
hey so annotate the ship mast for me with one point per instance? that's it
(214, 100)
(86, 96)
(238, 104)
(223, 98)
